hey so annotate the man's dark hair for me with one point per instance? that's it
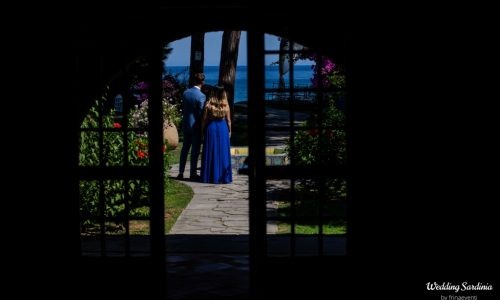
(198, 78)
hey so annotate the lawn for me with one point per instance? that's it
(175, 154)
(177, 197)
(306, 208)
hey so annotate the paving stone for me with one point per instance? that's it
(216, 208)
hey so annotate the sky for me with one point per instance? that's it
(182, 49)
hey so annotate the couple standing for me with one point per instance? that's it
(207, 119)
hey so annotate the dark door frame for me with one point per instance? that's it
(103, 49)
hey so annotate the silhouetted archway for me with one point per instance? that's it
(97, 60)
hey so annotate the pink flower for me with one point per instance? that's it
(142, 85)
(117, 125)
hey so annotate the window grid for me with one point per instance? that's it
(294, 172)
(125, 171)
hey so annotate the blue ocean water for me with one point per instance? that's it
(302, 77)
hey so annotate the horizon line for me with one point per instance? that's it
(236, 66)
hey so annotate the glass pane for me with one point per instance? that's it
(306, 227)
(91, 120)
(306, 208)
(277, 193)
(278, 205)
(138, 114)
(278, 245)
(115, 216)
(334, 245)
(303, 75)
(271, 42)
(113, 148)
(311, 203)
(115, 240)
(138, 149)
(89, 207)
(104, 106)
(89, 149)
(90, 245)
(335, 207)
(139, 227)
(276, 142)
(318, 147)
(239, 126)
(114, 200)
(278, 99)
(276, 155)
(306, 245)
(272, 73)
(281, 111)
(139, 199)
(335, 227)
(140, 241)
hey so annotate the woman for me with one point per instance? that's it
(216, 131)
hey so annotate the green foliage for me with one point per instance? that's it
(112, 146)
(110, 143)
(325, 143)
(337, 79)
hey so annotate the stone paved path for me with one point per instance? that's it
(217, 208)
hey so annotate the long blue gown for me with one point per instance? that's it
(216, 156)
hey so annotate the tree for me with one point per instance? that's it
(166, 51)
(283, 62)
(227, 67)
(284, 58)
(197, 55)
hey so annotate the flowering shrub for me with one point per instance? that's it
(108, 147)
(171, 99)
(112, 153)
(327, 146)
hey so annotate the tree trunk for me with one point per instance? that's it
(197, 55)
(228, 60)
(283, 61)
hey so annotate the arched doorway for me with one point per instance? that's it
(259, 173)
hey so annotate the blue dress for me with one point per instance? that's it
(216, 156)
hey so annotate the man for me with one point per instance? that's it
(192, 110)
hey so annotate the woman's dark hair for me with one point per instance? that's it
(219, 90)
(206, 88)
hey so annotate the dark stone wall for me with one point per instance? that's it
(421, 137)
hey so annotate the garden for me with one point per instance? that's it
(324, 146)
(116, 135)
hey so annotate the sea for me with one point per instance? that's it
(302, 77)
